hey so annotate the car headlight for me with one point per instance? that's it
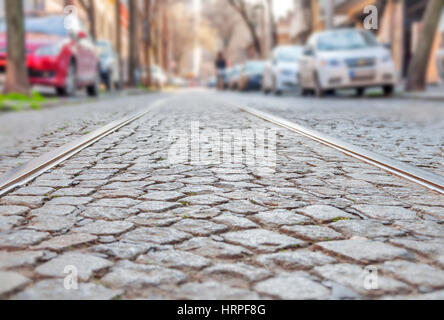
(52, 50)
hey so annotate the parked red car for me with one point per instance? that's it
(59, 57)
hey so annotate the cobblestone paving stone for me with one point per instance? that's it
(137, 226)
(399, 128)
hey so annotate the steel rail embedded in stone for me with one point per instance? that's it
(35, 167)
(427, 179)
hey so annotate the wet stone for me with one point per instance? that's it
(213, 249)
(280, 217)
(174, 259)
(213, 291)
(386, 212)
(324, 213)
(354, 276)
(262, 240)
(13, 210)
(364, 250)
(54, 289)
(313, 233)
(106, 227)
(66, 241)
(292, 286)
(10, 281)
(235, 221)
(419, 274)
(294, 260)
(157, 235)
(366, 228)
(86, 265)
(241, 270)
(21, 238)
(18, 258)
(200, 228)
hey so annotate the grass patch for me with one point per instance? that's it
(17, 101)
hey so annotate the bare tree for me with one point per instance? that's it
(16, 73)
(119, 38)
(90, 8)
(416, 78)
(224, 20)
(247, 14)
(133, 42)
(273, 23)
(147, 34)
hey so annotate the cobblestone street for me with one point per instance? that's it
(134, 225)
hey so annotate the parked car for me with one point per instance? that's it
(158, 77)
(57, 57)
(234, 77)
(345, 58)
(251, 76)
(281, 72)
(109, 65)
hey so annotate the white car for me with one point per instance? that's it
(158, 77)
(344, 59)
(109, 65)
(281, 73)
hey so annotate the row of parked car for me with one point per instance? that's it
(330, 61)
(62, 55)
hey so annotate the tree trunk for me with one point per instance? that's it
(273, 24)
(119, 39)
(16, 71)
(306, 14)
(133, 45)
(416, 78)
(148, 17)
(241, 7)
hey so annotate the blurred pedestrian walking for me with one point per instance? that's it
(221, 65)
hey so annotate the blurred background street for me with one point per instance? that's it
(93, 92)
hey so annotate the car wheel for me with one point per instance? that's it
(93, 90)
(360, 92)
(70, 88)
(388, 90)
(319, 92)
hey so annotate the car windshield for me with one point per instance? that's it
(52, 25)
(291, 54)
(103, 49)
(254, 67)
(346, 40)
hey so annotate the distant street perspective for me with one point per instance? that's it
(222, 150)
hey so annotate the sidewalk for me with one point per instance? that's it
(433, 93)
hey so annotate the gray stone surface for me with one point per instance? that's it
(293, 286)
(156, 235)
(313, 233)
(212, 290)
(174, 259)
(102, 227)
(86, 265)
(363, 250)
(10, 259)
(294, 259)
(10, 281)
(324, 213)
